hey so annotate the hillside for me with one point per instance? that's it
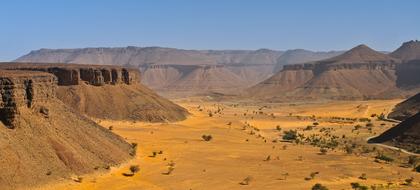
(181, 72)
(43, 140)
(405, 135)
(408, 51)
(106, 92)
(297, 56)
(360, 73)
(406, 109)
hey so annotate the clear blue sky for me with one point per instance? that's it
(206, 24)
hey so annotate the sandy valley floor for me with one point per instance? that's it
(246, 144)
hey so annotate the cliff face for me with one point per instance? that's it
(72, 74)
(42, 139)
(106, 92)
(23, 89)
(360, 73)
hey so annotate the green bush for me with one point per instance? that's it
(318, 186)
(290, 135)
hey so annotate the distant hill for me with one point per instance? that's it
(408, 51)
(360, 73)
(302, 56)
(177, 71)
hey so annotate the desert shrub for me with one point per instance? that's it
(363, 176)
(323, 151)
(311, 176)
(290, 135)
(134, 169)
(318, 186)
(417, 169)
(111, 128)
(357, 127)
(348, 149)
(381, 117)
(412, 161)
(206, 137)
(409, 181)
(316, 123)
(364, 119)
(384, 157)
(357, 186)
(369, 124)
(308, 128)
(210, 114)
(278, 128)
(133, 150)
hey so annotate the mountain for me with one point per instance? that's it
(408, 51)
(172, 71)
(405, 135)
(406, 109)
(181, 72)
(302, 56)
(360, 73)
(106, 92)
(141, 56)
(44, 140)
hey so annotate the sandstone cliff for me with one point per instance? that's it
(177, 72)
(42, 139)
(106, 92)
(360, 73)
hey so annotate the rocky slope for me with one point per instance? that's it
(359, 73)
(185, 72)
(405, 135)
(408, 51)
(43, 140)
(106, 92)
(406, 109)
(297, 56)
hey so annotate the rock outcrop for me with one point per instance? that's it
(360, 73)
(42, 139)
(74, 74)
(23, 89)
(105, 92)
(408, 51)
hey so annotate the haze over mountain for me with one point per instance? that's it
(360, 73)
(170, 70)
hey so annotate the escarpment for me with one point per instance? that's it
(106, 92)
(73, 74)
(360, 73)
(43, 140)
(23, 89)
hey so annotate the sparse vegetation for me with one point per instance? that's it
(358, 186)
(363, 176)
(207, 137)
(318, 186)
(290, 135)
(384, 157)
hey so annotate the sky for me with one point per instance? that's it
(320, 25)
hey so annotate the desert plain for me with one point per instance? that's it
(247, 149)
